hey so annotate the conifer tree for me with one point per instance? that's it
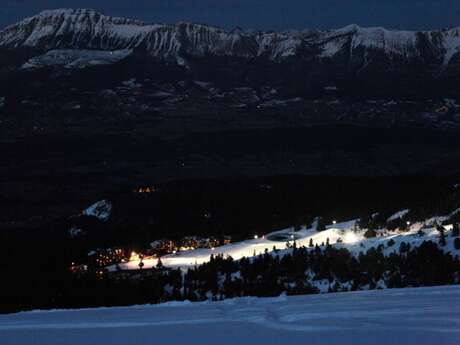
(442, 236)
(159, 264)
(457, 243)
(321, 224)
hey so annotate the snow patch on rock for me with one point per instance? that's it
(101, 210)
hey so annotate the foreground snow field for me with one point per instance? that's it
(399, 316)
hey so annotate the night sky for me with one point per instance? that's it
(259, 14)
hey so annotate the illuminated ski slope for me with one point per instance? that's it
(400, 316)
(241, 249)
(339, 235)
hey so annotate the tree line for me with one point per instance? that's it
(295, 271)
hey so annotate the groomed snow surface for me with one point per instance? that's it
(399, 316)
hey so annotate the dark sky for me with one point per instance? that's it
(259, 14)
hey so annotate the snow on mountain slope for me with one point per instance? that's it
(72, 58)
(78, 29)
(398, 215)
(451, 44)
(390, 41)
(88, 29)
(100, 210)
(421, 316)
(198, 40)
(278, 45)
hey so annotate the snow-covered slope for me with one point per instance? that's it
(74, 58)
(88, 29)
(423, 316)
(340, 235)
(238, 250)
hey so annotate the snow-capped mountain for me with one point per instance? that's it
(77, 29)
(88, 29)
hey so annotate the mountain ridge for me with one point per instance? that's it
(89, 29)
